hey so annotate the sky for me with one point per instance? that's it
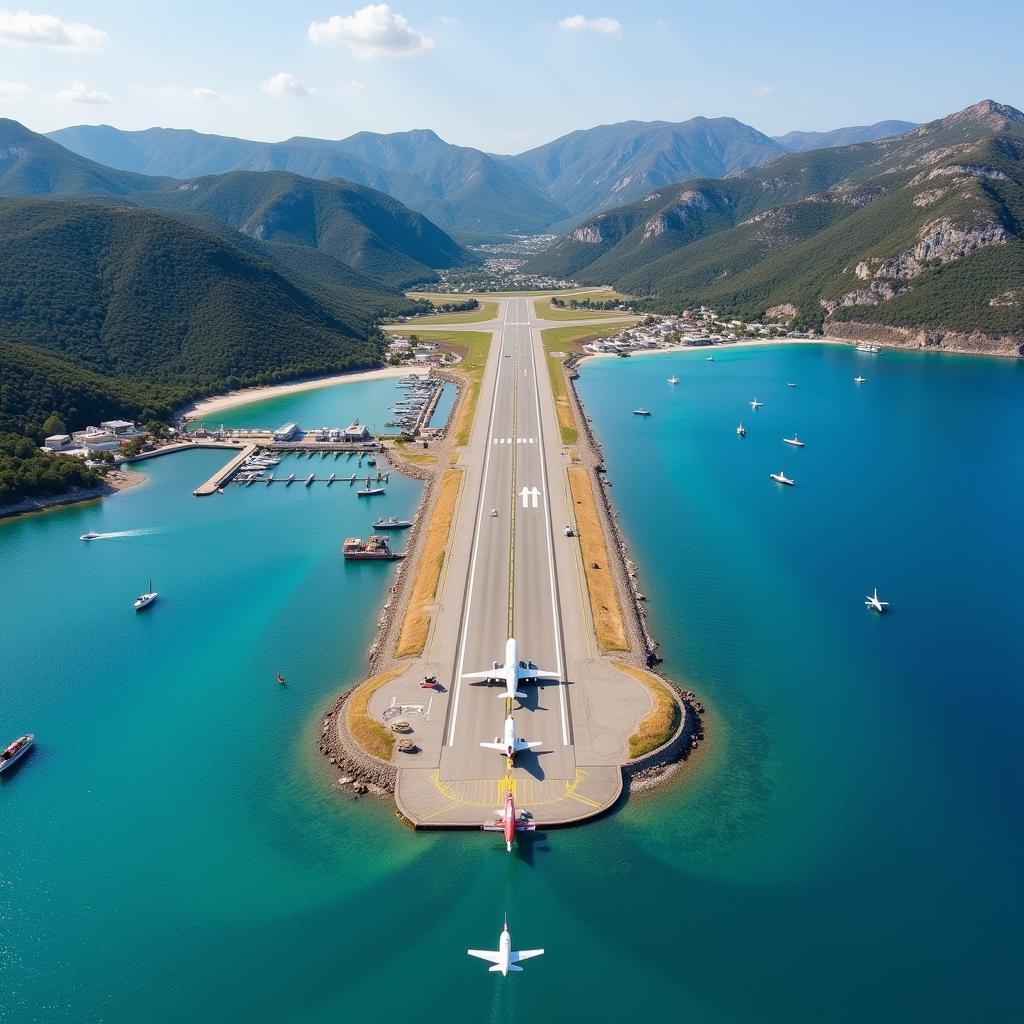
(500, 77)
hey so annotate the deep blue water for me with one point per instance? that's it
(846, 846)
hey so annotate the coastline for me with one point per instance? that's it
(232, 399)
(114, 482)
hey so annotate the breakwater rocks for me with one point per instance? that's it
(359, 772)
(659, 765)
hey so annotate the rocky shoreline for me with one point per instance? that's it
(918, 339)
(116, 480)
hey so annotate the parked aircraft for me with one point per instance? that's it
(512, 672)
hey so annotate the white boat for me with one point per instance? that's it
(874, 603)
(859, 380)
(641, 412)
(755, 404)
(89, 536)
(16, 750)
(145, 600)
(781, 478)
(711, 359)
(788, 385)
(794, 441)
(673, 379)
(865, 346)
(741, 431)
(366, 492)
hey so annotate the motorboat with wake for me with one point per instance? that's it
(91, 535)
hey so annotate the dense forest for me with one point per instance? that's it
(26, 472)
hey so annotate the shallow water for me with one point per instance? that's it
(846, 844)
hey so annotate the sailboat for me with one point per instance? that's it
(145, 600)
(673, 379)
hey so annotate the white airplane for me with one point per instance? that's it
(505, 958)
(511, 744)
(873, 602)
(511, 672)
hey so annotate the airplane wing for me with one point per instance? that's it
(494, 746)
(488, 827)
(526, 744)
(485, 954)
(524, 954)
(524, 826)
(492, 674)
(538, 673)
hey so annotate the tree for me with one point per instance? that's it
(53, 424)
(132, 447)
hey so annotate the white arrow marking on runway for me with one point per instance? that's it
(526, 493)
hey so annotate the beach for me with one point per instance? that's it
(220, 403)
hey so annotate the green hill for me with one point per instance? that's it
(910, 234)
(373, 233)
(142, 296)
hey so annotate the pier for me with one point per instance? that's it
(225, 473)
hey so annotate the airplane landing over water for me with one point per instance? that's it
(504, 958)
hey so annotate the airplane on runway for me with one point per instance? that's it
(510, 745)
(512, 672)
(504, 958)
(509, 823)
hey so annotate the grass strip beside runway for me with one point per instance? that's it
(545, 311)
(658, 726)
(486, 311)
(609, 626)
(374, 738)
(416, 625)
(567, 340)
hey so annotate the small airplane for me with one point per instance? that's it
(873, 602)
(512, 672)
(504, 958)
(511, 744)
(508, 822)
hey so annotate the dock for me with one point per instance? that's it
(225, 473)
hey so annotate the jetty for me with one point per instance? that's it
(225, 473)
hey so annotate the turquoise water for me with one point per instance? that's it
(443, 409)
(847, 847)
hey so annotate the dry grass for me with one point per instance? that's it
(659, 725)
(413, 636)
(420, 458)
(374, 738)
(604, 597)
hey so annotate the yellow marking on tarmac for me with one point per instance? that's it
(490, 793)
(440, 810)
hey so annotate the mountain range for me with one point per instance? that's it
(473, 194)
(913, 239)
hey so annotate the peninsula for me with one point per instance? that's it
(514, 538)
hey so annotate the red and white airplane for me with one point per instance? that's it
(510, 744)
(509, 823)
(512, 672)
(504, 958)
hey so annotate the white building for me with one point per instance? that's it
(58, 442)
(357, 431)
(288, 432)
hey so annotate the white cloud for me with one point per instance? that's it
(284, 83)
(12, 90)
(201, 92)
(198, 92)
(79, 92)
(353, 88)
(23, 28)
(603, 26)
(764, 90)
(372, 31)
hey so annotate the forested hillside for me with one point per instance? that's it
(920, 233)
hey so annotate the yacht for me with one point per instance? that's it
(794, 441)
(711, 359)
(865, 346)
(741, 431)
(755, 404)
(366, 492)
(673, 379)
(89, 536)
(19, 747)
(781, 478)
(859, 380)
(873, 602)
(788, 385)
(641, 412)
(145, 600)
(391, 523)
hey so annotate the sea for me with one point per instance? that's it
(845, 845)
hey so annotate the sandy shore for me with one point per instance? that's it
(219, 403)
(115, 480)
(718, 346)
